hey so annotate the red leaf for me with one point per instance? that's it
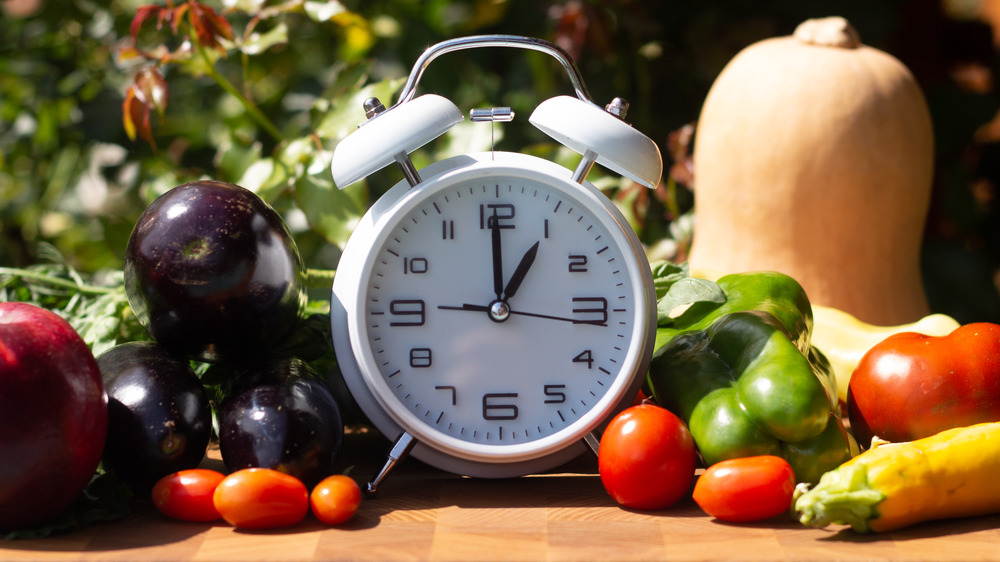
(208, 25)
(136, 116)
(152, 89)
(141, 15)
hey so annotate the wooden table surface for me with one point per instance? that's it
(425, 514)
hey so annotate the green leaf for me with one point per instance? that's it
(332, 213)
(347, 111)
(675, 287)
(323, 11)
(257, 43)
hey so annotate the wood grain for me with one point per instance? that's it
(425, 514)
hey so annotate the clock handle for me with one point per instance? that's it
(477, 41)
(400, 450)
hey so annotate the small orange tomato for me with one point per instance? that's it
(746, 489)
(335, 499)
(187, 495)
(261, 498)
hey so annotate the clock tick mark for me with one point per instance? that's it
(603, 370)
(557, 207)
(436, 208)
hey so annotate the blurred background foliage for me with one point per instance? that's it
(105, 105)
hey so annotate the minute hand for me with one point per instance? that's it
(562, 318)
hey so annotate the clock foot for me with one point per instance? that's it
(400, 449)
(592, 442)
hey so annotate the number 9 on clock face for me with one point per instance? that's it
(497, 312)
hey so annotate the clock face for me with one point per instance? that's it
(501, 311)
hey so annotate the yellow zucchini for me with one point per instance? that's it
(951, 474)
(844, 339)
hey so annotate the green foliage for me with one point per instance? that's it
(106, 105)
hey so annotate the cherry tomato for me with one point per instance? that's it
(187, 495)
(335, 499)
(746, 489)
(261, 498)
(647, 458)
(910, 386)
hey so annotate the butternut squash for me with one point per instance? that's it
(814, 157)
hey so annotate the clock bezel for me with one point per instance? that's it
(367, 384)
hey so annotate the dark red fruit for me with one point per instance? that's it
(53, 415)
(159, 417)
(280, 416)
(213, 273)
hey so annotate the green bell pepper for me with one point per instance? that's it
(744, 377)
(766, 291)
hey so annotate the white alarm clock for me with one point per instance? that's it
(491, 311)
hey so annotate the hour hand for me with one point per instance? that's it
(522, 269)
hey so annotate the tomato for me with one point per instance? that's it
(261, 498)
(187, 495)
(911, 386)
(746, 489)
(646, 458)
(335, 499)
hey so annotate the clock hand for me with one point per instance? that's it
(520, 271)
(488, 309)
(561, 318)
(466, 306)
(497, 258)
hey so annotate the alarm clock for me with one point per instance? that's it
(493, 310)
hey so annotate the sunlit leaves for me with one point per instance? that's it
(209, 27)
(148, 92)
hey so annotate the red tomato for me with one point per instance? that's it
(646, 458)
(261, 498)
(335, 499)
(911, 386)
(187, 495)
(746, 489)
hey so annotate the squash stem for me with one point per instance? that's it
(843, 496)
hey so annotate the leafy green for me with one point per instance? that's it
(97, 308)
(106, 498)
(675, 287)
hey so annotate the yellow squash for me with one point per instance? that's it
(894, 485)
(844, 339)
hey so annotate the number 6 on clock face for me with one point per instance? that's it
(497, 314)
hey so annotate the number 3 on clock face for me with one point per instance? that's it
(497, 313)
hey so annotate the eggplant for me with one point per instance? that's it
(159, 416)
(279, 414)
(213, 273)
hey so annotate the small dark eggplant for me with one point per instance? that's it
(213, 273)
(278, 414)
(159, 416)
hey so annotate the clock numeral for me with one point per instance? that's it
(585, 356)
(454, 393)
(409, 311)
(493, 410)
(554, 393)
(499, 212)
(599, 308)
(420, 357)
(414, 265)
(447, 230)
(577, 263)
